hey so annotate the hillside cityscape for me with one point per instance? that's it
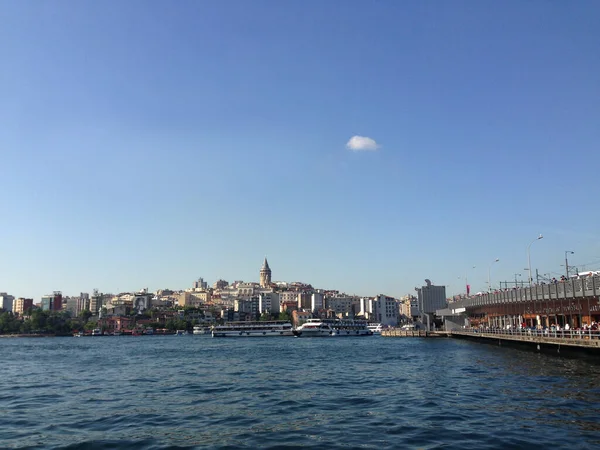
(201, 304)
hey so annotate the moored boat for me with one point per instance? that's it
(181, 332)
(199, 329)
(332, 328)
(253, 329)
(376, 328)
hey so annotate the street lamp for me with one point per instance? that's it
(489, 270)
(567, 261)
(529, 257)
(516, 275)
(467, 281)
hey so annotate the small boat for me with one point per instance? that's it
(376, 328)
(181, 332)
(149, 331)
(96, 332)
(80, 334)
(199, 329)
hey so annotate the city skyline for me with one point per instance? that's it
(362, 147)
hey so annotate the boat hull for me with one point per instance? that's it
(250, 333)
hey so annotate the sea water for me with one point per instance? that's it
(283, 392)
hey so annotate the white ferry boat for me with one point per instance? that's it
(253, 329)
(332, 328)
(376, 328)
(199, 329)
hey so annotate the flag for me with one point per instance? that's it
(468, 289)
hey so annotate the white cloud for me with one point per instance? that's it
(361, 144)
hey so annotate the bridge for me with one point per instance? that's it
(573, 302)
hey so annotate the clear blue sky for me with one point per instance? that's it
(147, 143)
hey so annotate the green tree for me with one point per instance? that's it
(85, 315)
(284, 315)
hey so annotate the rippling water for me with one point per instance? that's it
(371, 392)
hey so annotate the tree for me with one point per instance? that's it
(85, 315)
(284, 315)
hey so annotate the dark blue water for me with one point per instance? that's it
(372, 392)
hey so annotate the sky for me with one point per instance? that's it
(363, 146)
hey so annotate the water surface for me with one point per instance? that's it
(369, 392)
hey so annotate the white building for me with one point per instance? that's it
(317, 301)
(386, 310)
(268, 302)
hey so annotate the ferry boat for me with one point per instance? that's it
(376, 328)
(199, 329)
(253, 329)
(332, 328)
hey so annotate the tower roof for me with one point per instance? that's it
(265, 265)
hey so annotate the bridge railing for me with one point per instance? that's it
(525, 332)
(573, 288)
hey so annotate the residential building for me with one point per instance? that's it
(83, 303)
(220, 284)
(300, 317)
(317, 301)
(6, 301)
(386, 310)
(342, 305)
(249, 307)
(268, 302)
(52, 302)
(21, 305)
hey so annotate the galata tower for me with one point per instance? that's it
(265, 275)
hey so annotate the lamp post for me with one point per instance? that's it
(529, 257)
(467, 290)
(567, 261)
(489, 270)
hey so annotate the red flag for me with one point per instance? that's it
(468, 289)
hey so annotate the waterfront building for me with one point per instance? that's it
(410, 306)
(431, 298)
(21, 305)
(265, 275)
(6, 301)
(386, 310)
